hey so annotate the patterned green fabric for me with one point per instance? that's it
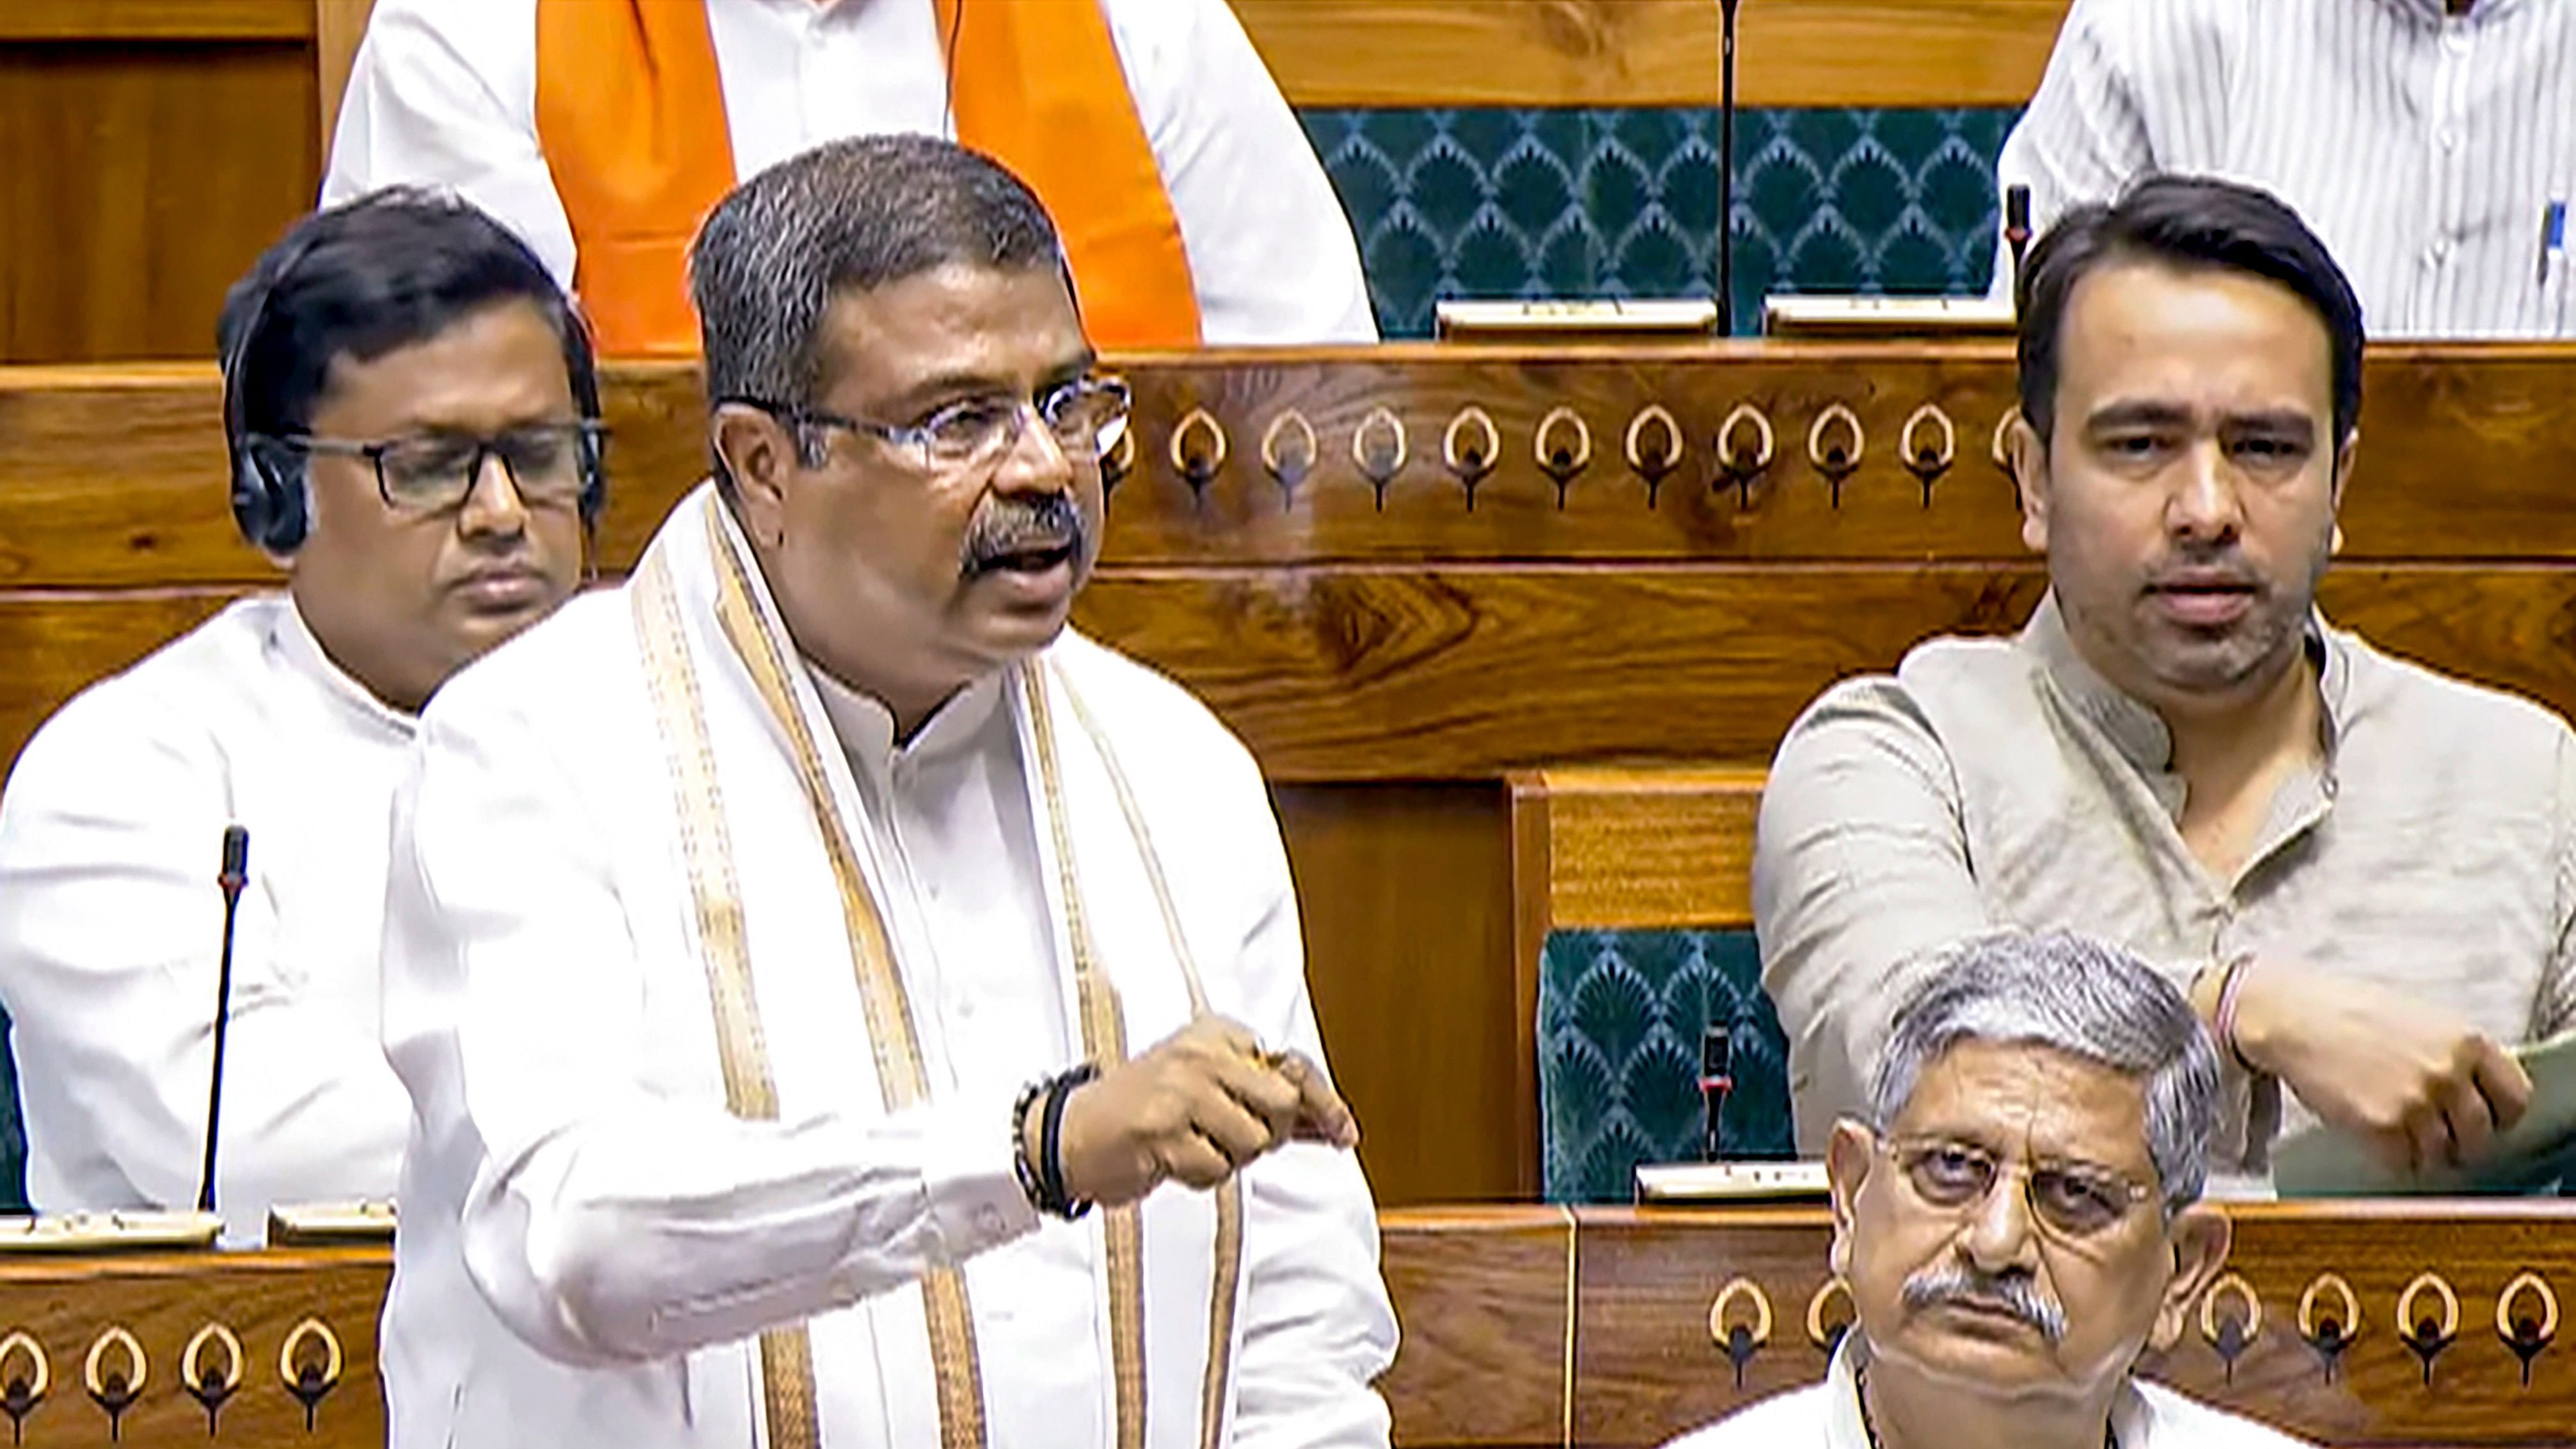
(13, 1131)
(1620, 1018)
(1490, 202)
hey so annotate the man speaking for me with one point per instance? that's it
(839, 1005)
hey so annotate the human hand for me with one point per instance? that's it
(1196, 1108)
(2423, 1088)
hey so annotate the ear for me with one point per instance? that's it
(760, 454)
(2200, 1236)
(2345, 457)
(1848, 1155)
(2030, 480)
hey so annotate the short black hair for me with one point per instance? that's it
(854, 214)
(2183, 221)
(387, 270)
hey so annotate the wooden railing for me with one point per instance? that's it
(2353, 1323)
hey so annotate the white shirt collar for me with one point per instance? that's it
(293, 640)
(866, 727)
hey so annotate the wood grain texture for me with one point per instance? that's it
(1370, 53)
(1650, 849)
(1648, 1367)
(137, 181)
(2465, 456)
(1469, 672)
(1486, 1305)
(1489, 1299)
(338, 26)
(163, 1300)
(1405, 894)
(55, 645)
(61, 20)
(1376, 674)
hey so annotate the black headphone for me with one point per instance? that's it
(268, 492)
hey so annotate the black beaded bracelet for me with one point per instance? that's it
(1023, 1160)
(1052, 1196)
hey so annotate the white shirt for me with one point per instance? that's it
(444, 91)
(1827, 1416)
(2423, 148)
(111, 924)
(591, 1238)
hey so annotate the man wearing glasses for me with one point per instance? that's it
(410, 408)
(840, 1004)
(2017, 1215)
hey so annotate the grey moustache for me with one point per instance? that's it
(2015, 1295)
(1023, 525)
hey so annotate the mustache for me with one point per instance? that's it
(2203, 567)
(1017, 525)
(2012, 1293)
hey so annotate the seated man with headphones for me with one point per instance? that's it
(413, 413)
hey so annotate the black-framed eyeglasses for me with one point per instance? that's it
(435, 472)
(1087, 415)
(2070, 1199)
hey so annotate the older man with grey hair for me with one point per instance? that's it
(841, 1005)
(2019, 1218)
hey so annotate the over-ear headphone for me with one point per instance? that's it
(268, 485)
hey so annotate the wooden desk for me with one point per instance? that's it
(1540, 1326)
(1523, 1326)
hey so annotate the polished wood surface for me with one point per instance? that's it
(1371, 53)
(139, 177)
(156, 20)
(1641, 848)
(338, 26)
(71, 1306)
(2465, 454)
(1645, 1285)
(1525, 1326)
(1405, 891)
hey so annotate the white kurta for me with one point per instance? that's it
(1827, 1416)
(591, 1237)
(111, 834)
(444, 91)
(2423, 147)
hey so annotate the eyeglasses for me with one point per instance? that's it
(1087, 415)
(2071, 1199)
(548, 463)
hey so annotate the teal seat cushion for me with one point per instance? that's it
(1529, 202)
(1621, 1015)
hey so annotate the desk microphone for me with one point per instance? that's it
(1726, 168)
(2017, 229)
(234, 876)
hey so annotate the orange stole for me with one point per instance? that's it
(630, 114)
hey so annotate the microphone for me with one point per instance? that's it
(2017, 228)
(1726, 168)
(234, 875)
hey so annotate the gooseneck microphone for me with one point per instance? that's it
(234, 876)
(1726, 168)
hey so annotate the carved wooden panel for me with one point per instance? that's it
(268, 1336)
(1651, 1283)
(2466, 454)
